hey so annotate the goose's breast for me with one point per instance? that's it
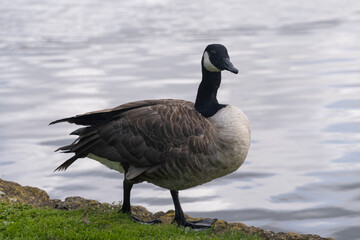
(233, 129)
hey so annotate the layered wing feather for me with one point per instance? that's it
(140, 135)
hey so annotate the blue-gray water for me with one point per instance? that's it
(299, 84)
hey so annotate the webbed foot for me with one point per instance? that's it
(135, 219)
(199, 224)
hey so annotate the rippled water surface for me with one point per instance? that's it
(299, 84)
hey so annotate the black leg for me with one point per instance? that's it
(180, 217)
(126, 207)
(179, 214)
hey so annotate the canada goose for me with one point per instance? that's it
(174, 144)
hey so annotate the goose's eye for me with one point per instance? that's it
(213, 52)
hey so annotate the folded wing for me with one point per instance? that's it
(139, 135)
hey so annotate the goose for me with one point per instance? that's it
(174, 144)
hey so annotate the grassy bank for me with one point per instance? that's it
(19, 221)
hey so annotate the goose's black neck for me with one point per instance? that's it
(206, 102)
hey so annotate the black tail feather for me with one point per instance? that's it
(62, 120)
(105, 115)
(67, 147)
(88, 118)
(67, 163)
(82, 146)
(79, 131)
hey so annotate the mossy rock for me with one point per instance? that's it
(15, 193)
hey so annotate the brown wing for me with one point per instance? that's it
(140, 136)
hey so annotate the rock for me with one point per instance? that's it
(166, 218)
(159, 215)
(15, 193)
(270, 235)
(142, 213)
(72, 203)
(221, 226)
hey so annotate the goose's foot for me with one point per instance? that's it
(199, 224)
(152, 222)
(180, 217)
(127, 211)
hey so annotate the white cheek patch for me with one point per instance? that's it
(208, 65)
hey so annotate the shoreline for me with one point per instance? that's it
(11, 192)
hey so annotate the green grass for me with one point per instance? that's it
(26, 222)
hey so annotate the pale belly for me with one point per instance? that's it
(110, 164)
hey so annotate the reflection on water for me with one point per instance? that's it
(298, 83)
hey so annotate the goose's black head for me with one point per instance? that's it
(216, 59)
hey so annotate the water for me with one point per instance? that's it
(299, 84)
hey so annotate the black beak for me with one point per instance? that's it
(229, 66)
